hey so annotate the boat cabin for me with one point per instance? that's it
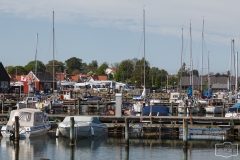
(233, 111)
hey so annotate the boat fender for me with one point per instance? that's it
(92, 131)
(57, 132)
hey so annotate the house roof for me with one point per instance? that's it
(213, 80)
(42, 76)
(99, 78)
(4, 75)
(219, 86)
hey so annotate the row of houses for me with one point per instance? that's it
(39, 81)
(44, 81)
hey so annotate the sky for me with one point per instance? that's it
(112, 31)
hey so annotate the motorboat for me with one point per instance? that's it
(233, 111)
(84, 126)
(215, 106)
(157, 110)
(28, 102)
(32, 122)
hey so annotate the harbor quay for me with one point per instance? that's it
(184, 126)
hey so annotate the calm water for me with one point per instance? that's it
(110, 148)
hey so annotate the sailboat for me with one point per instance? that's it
(140, 100)
(56, 105)
(189, 102)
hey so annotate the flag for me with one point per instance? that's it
(23, 79)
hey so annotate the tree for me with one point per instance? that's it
(31, 66)
(92, 66)
(101, 70)
(72, 64)
(59, 66)
(158, 77)
(124, 71)
(138, 73)
(18, 70)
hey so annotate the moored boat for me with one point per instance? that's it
(32, 122)
(84, 127)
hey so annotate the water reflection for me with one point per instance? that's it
(109, 148)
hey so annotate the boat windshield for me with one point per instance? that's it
(23, 116)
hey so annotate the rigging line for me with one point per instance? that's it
(140, 45)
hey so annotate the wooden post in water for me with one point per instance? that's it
(16, 147)
(71, 131)
(71, 152)
(16, 131)
(185, 131)
(126, 153)
(79, 106)
(223, 110)
(2, 106)
(126, 132)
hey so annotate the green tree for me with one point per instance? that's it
(31, 66)
(92, 66)
(101, 70)
(59, 66)
(124, 71)
(138, 73)
(72, 64)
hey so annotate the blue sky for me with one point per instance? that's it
(111, 31)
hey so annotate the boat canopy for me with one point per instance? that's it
(27, 117)
(80, 118)
(157, 110)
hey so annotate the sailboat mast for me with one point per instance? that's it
(53, 56)
(144, 47)
(202, 58)
(208, 73)
(36, 60)
(191, 70)
(180, 83)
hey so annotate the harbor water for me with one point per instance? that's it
(114, 148)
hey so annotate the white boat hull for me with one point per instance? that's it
(214, 109)
(84, 131)
(25, 132)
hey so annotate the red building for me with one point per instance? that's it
(42, 81)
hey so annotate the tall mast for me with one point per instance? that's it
(236, 77)
(202, 58)
(53, 56)
(144, 45)
(208, 73)
(180, 83)
(191, 70)
(36, 60)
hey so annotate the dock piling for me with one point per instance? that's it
(126, 132)
(16, 131)
(2, 106)
(185, 131)
(71, 131)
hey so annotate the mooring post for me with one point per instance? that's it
(79, 106)
(126, 153)
(126, 131)
(16, 127)
(71, 152)
(223, 110)
(16, 147)
(71, 131)
(185, 131)
(2, 106)
(27, 103)
(185, 110)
